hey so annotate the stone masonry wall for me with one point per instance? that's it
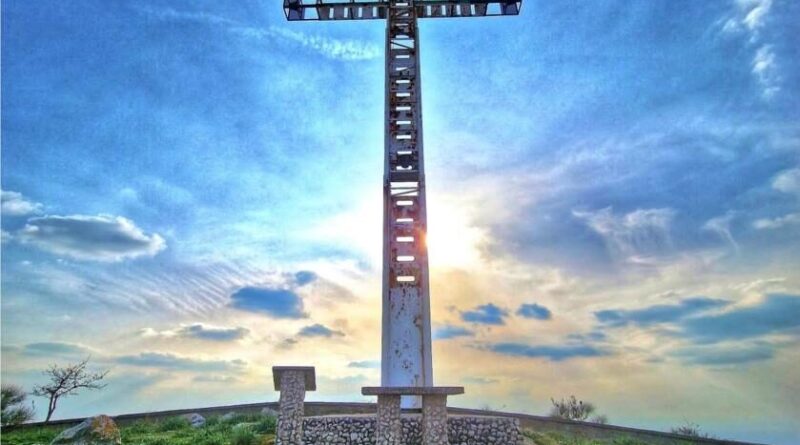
(360, 430)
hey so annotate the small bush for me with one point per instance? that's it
(574, 409)
(11, 399)
(692, 430)
(243, 436)
(265, 426)
(174, 424)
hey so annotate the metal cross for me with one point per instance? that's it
(406, 323)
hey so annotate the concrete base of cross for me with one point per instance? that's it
(434, 412)
(292, 382)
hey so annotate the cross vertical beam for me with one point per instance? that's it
(406, 332)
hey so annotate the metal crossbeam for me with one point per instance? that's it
(378, 9)
(406, 329)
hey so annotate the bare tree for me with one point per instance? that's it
(11, 397)
(66, 381)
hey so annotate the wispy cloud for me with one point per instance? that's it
(172, 361)
(776, 313)
(50, 349)
(633, 236)
(332, 48)
(365, 364)
(721, 225)
(554, 353)
(765, 71)
(199, 331)
(95, 238)
(777, 223)
(724, 355)
(662, 313)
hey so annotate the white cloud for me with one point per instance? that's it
(721, 225)
(328, 47)
(14, 204)
(787, 181)
(777, 223)
(766, 71)
(96, 238)
(199, 331)
(636, 235)
(338, 49)
(750, 17)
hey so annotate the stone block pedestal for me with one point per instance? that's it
(292, 382)
(388, 428)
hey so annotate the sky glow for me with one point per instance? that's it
(191, 194)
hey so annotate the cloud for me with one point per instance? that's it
(337, 49)
(486, 314)
(749, 16)
(657, 314)
(349, 50)
(201, 332)
(765, 71)
(365, 364)
(318, 330)
(95, 238)
(554, 353)
(788, 181)
(591, 336)
(49, 349)
(279, 303)
(637, 234)
(171, 361)
(721, 225)
(304, 277)
(448, 332)
(214, 379)
(715, 356)
(777, 223)
(14, 204)
(534, 311)
(776, 313)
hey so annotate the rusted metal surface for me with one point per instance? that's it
(378, 9)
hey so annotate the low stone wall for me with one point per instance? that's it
(461, 430)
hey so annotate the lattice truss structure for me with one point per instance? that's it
(406, 335)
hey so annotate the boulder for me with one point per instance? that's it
(228, 416)
(97, 430)
(195, 420)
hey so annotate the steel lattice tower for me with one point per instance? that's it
(406, 329)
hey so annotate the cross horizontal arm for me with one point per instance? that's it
(377, 9)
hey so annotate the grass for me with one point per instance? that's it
(240, 429)
(554, 438)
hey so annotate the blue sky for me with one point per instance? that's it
(191, 194)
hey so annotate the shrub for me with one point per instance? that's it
(690, 429)
(574, 409)
(11, 397)
(243, 436)
(174, 423)
(266, 425)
